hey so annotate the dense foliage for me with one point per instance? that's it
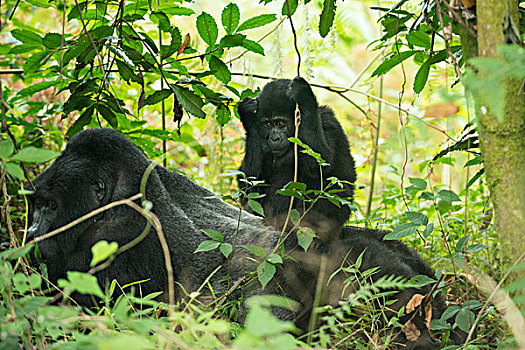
(169, 76)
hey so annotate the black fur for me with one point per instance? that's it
(269, 122)
(100, 166)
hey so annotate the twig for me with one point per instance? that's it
(376, 151)
(90, 38)
(294, 39)
(447, 35)
(84, 218)
(297, 121)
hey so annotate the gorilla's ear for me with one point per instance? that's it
(100, 190)
(247, 111)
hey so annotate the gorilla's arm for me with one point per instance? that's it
(252, 163)
(311, 129)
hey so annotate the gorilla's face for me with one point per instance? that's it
(55, 203)
(276, 130)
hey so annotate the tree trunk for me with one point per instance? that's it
(503, 142)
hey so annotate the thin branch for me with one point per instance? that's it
(448, 37)
(294, 39)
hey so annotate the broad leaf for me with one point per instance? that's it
(220, 70)
(265, 272)
(34, 155)
(189, 101)
(206, 246)
(417, 218)
(230, 18)
(401, 230)
(207, 28)
(215, 235)
(327, 17)
(257, 21)
(102, 250)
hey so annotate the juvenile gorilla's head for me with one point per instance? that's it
(271, 114)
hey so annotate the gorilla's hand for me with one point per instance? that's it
(301, 93)
(247, 111)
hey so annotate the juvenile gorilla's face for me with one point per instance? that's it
(276, 131)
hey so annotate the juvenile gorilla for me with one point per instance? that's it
(269, 156)
(100, 166)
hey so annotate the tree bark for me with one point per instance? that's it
(503, 142)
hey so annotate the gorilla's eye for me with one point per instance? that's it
(268, 124)
(281, 123)
(52, 204)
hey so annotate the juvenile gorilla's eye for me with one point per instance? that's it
(52, 204)
(281, 123)
(268, 124)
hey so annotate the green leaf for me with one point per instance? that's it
(474, 161)
(253, 46)
(171, 9)
(232, 40)
(34, 88)
(84, 119)
(26, 36)
(265, 272)
(102, 250)
(160, 18)
(230, 18)
(220, 70)
(34, 62)
(419, 183)
(305, 237)
(289, 5)
(34, 155)
(449, 312)
(207, 28)
(274, 259)
(189, 101)
(448, 196)
(438, 325)
(327, 17)
(256, 207)
(421, 77)
(420, 39)
(428, 230)
(52, 41)
(475, 248)
(256, 22)
(81, 282)
(16, 50)
(215, 235)
(6, 148)
(417, 218)
(107, 114)
(475, 177)
(421, 281)
(401, 230)
(393, 61)
(226, 249)
(295, 216)
(157, 96)
(464, 319)
(207, 246)
(255, 250)
(14, 170)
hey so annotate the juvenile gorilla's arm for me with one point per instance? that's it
(311, 129)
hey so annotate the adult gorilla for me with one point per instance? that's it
(269, 122)
(100, 166)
